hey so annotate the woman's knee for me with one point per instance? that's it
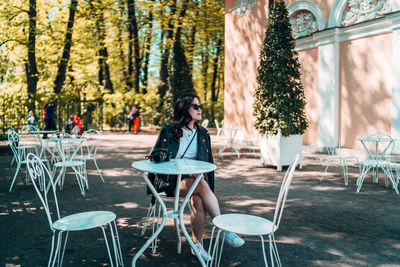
(197, 203)
(203, 188)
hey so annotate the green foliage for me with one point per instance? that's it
(279, 99)
(202, 27)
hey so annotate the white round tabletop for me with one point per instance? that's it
(174, 166)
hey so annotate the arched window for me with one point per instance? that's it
(305, 18)
(348, 12)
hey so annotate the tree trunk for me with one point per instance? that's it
(32, 75)
(134, 37)
(62, 66)
(104, 70)
(163, 87)
(146, 56)
(214, 96)
(204, 68)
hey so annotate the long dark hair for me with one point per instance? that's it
(182, 116)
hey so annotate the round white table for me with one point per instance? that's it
(177, 167)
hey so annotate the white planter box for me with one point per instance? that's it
(280, 151)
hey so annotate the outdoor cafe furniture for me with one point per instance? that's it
(38, 133)
(250, 225)
(177, 167)
(343, 160)
(23, 147)
(89, 149)
(228, 135)
(19, 152)
(68, 160)
(40, 175)
(376, 146)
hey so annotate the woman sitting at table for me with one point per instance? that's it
(184, 138)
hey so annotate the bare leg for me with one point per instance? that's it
(203, 201)
(197, 218)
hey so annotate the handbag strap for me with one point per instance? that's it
(189, 144)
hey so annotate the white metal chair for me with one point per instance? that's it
(40, 176)
(28, 128)
(23, 146)
(67, 160)
(19, 153)
(205, 123)
(92, 141)
(75, 131)
(219, 128)
(251, 225)
(343, 160)
(376, 145)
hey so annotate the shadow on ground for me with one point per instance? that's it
(323, 224)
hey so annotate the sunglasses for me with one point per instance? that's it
(197, 107)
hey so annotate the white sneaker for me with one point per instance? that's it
(203, 253)
(233, 240)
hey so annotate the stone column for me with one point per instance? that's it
(395, 125)
(328, 90)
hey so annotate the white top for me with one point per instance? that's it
(184, 141)
(174, 166)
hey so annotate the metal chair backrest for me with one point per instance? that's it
(41, 178)
(26, 129)
(378, 144)
(331, 150)
(280, 203)
(13, 141)
(205, 123)
(219, 129)
(75, 131)
(92, 141)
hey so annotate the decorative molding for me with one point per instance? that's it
(311, 7)
(387, 23)
(303, 23)
(243, 7)
(362, 10)
(339, 7)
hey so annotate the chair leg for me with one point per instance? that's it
(274, 251)
(15, 176)
(98, 169)
(326, 169)
(360, 180)
(218, 261)
(52, 249)
(263, 250)
(117, 245)
(108, 247)
(64, 246)
(150, 211)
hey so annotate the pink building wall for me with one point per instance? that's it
(309, 78)
(366, 91)
(244, 38)
(364, 81)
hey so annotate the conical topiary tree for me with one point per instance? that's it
(180, 80)
(279, 99)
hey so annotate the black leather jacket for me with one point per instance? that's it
(204, 152)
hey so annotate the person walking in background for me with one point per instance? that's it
(50, 116)
(136, 119)
(133, 119)
(32, 118)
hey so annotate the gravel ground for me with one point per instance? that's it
(323, 224)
